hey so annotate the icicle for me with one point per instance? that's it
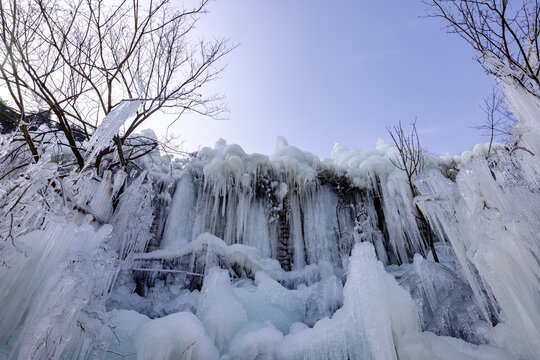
(110, 125)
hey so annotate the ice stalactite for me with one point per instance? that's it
(490, 215)
(294, 208)
(49, 283)
(135, 203)
(494, 232)
(104, 134)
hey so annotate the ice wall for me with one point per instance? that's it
(491, 217)
(46, 285)
(62, 245)
(493, 227)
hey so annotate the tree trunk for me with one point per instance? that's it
(30, 143)
(429, 238)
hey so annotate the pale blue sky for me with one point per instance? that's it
(320, 72)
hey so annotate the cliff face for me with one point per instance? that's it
(297, 219)
(294, 208)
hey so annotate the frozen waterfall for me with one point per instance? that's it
(228, 255)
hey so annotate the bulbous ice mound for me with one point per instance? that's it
(241, 319)
(175, 336)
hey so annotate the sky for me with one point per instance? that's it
(320, 72)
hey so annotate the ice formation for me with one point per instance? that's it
(110, 125)
(228, 255)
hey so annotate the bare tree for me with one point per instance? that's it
(505, 30)
(410, 159)
(80, 59)
(499, 120)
